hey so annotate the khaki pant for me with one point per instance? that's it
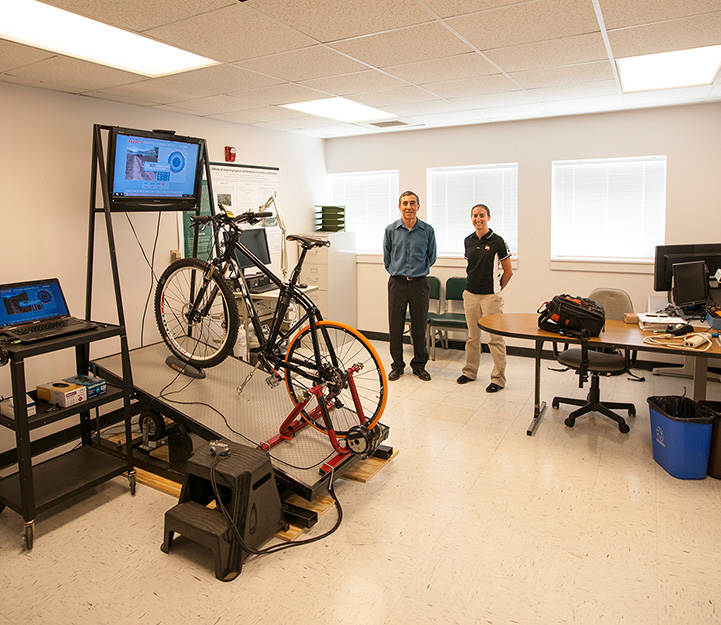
(475, 307)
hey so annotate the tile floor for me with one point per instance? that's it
(473, 523)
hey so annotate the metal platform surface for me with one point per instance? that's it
(213, 405)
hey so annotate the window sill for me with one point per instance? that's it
(602, 266)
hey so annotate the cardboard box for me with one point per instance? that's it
(94, 385)
(7, 406)
(62, 393)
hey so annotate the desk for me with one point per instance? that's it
(616, 334)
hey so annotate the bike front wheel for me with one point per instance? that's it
(197, 318)
(341, 348)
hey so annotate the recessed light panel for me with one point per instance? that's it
(49, 28)
(340, 109)
(666, 70)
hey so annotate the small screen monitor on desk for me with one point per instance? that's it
(690, 285)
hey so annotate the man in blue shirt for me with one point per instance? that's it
(409, 250)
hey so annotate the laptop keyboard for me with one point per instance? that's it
(48, 325)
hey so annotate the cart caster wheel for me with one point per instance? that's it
(554, 404)
(631, 413)
(154, 422)
(28, 537)
(570, 422)
(623, 428)
(131, 479)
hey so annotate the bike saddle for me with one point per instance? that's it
(308, 242)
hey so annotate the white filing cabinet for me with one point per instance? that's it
(333, 270)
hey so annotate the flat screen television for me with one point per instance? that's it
(690, 284)
(153, 169)
(669, 255)
(256, 240)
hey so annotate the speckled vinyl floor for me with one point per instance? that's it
(473, 522)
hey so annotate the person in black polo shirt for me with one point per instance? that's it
(409, 250)
(488, 258)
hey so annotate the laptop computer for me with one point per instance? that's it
(37, 310)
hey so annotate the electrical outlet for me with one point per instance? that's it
(174, 255)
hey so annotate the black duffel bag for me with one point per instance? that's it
(572, 316)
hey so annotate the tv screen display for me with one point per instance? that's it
(149, 168)
(669, 255)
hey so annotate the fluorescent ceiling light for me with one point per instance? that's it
(340, 109)
(666, 70)
(43, 26)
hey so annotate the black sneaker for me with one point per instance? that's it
(493, 388)
(422, 374)
(464, 379)
(395, 374)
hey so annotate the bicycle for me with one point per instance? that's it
(198, 319)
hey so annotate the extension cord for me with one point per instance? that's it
(696, 340)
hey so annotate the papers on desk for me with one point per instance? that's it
(657, 321)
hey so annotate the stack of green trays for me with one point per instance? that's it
(329, 218)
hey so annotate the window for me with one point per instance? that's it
(608, 209)
(371, 201)
(453, 191)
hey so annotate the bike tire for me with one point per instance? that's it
(210, 338)
(350, 347)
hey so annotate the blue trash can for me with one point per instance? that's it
(681, 434)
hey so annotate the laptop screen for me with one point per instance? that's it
(25, 302)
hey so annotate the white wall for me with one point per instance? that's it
(690, 136)
(45, 164)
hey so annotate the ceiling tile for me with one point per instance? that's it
(449, 119)
(417, 43)
(491, 100)
(508, 113)
(14, 55)
(282, 94)
(692, 32)
(74, 75)
(326, 21)
(357, 82)
(235, 33)
(394, 96)
(456, 67)
(414, 109)
(583, 106)
(473, 86)
(213, 105)
(139, 15)
(525, 23)
(219, 79)
(569, 74)
(621, 13)
(147, 92)
(554, 53)
(453, 8)
(315, 62)
(571, 92)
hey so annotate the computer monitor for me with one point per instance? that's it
(669, 255)
(256, 240)
(690, 284)
(155, 169)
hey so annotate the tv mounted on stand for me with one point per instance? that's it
(154, 169)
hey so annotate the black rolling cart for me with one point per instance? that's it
(33, 489)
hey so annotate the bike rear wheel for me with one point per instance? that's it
(350, 348)
(208, 338)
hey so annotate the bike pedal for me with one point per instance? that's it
(273, 380)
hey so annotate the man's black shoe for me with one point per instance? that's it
(422, 374)
(395, 374)
(493, 388)
(464, 379)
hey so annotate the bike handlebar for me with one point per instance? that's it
(224, 218)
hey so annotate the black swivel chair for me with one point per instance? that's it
(585, 361)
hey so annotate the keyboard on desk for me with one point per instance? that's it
(263, 288)
(49, 329)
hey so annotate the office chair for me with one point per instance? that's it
(584, 361)
(434, 285)
(441, 324)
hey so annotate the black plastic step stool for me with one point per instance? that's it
(247, 489)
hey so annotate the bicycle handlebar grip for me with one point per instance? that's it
(198, 220)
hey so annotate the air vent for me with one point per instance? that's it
(394, 123)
